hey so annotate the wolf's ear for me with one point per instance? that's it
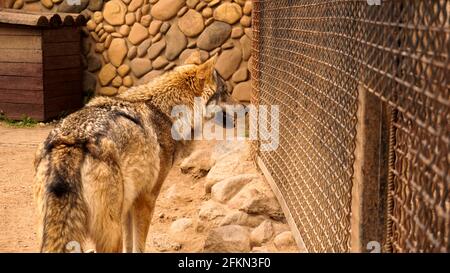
(206, 69)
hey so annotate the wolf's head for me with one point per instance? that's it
(182, 86)
(205, 82)
(209, 86)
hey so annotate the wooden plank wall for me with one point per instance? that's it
(21, 72)
(62, 71)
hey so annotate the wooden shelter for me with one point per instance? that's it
(40, 66)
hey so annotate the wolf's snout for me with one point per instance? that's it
(229, 114)
(225, 119)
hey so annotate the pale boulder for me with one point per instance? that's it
(261, 233)
(227, 188)
(228, 239)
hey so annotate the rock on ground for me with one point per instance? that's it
(229, 148)
(227, 165)
(180, 225)
(175, 193)
(232, 238)
(227, 188)
(284, 241)
(241, 218)
(211, 210)
(257, 198)
(262, 233)
(260, 249)
(163, 243)
(198, 163)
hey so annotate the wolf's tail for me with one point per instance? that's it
(64, 210)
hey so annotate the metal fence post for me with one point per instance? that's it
(370, 174)
(254, 69)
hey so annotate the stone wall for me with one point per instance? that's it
(129, 42)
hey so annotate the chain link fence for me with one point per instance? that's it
(313, 58)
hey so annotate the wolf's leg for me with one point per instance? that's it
(143, 209)
(110, 240)
(142, 215)
(128, 233)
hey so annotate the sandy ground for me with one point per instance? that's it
(17, 207)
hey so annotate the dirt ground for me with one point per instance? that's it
(17, 207)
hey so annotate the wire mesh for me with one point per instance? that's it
(407, 65)
(311, 58)
(306, 68)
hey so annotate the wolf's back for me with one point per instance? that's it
(63, 210)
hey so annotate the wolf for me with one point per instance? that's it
(99, 172)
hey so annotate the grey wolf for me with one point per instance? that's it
(99, 172)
